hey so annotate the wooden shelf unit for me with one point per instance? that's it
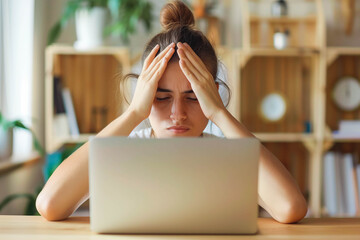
(298, 74)
(305, 31)
(93, 80)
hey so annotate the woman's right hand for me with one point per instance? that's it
(147, 83)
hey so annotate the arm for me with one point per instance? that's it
(279, 194)
(278, 191)
(68, 186)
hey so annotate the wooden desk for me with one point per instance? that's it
(36, 227)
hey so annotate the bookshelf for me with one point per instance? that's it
(297, 74)
(304, 75)
(92, 78)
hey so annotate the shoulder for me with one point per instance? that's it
(142, 133)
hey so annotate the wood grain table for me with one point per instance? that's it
(36, 227)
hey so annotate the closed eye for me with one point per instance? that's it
(162, 99)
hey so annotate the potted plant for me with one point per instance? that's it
(91, 24)
(6, 137)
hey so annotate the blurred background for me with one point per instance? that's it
(293, 68)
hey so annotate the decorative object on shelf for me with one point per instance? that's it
(90, 20)
(279, 8)
(90, 25)
(346, 93)
(281, 39)
(6, 137)
(273, 107)
(308, 127)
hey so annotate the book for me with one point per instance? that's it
(70, 112)
(329, 190)
(58, 98)
(348, 184)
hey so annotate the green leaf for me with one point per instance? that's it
(30, 208)
(36, 143)
(54, 33)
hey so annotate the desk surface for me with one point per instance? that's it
(36, 227)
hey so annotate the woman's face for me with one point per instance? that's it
(175, 111)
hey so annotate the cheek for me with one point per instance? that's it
(158, 111)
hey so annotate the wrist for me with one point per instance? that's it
(219, 116)
(134, 116)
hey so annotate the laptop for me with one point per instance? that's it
(173, 186)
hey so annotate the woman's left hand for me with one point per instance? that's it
(201, 80)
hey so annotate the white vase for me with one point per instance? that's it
(6, 143)
(90, 24)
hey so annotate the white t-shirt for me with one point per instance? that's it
(146, 133)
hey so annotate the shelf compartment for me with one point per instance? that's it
(341, 62)
(291, 76)
(93, 79)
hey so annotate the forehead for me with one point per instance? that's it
(173, 78)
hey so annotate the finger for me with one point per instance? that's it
(160, 65)
(162, 54)
(191, 54)
(188, 74)
(190, 66)
(151, 56)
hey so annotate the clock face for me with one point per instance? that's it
(346, 93)
(273, 107)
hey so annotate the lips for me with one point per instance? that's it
(178, 129)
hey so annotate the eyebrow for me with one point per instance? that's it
(168, 90)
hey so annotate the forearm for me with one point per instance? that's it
(68, 186)
(278, 192)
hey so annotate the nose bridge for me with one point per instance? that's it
(178, 108)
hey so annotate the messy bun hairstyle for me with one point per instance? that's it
(178, 25)
(176, 14)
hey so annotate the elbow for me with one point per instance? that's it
(48, 209)
(292, 212)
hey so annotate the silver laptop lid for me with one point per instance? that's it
(178, 185)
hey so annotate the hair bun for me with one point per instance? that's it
(176, 13)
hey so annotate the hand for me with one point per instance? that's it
(148, 80)
(201, 80)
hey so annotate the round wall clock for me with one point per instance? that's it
(273, 107)
(346, 93)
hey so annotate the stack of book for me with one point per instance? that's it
(65, 122)
(341, 177)
(348, 129)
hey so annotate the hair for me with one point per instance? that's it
(178, 25)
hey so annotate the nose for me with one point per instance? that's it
(178, 112)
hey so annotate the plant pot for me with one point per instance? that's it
(90, 24)
(6, 143)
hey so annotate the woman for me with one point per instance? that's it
(177, 91)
